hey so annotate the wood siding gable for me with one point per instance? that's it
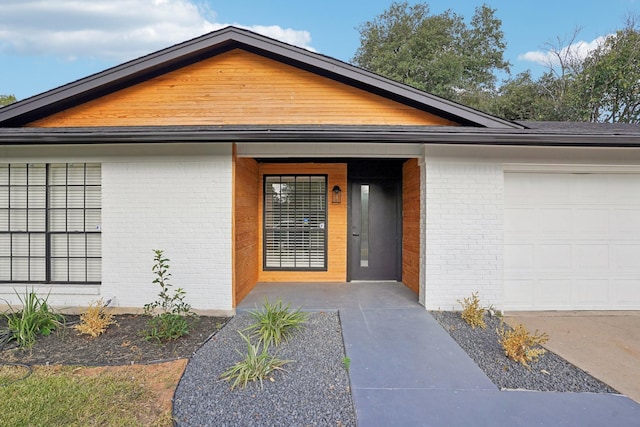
(240, 88)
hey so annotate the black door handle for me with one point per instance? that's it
(355, 235)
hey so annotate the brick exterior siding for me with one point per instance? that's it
(463, 233)
(182, 207)
(174, 198)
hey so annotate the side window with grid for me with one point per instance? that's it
(50, 217)
(295, 222)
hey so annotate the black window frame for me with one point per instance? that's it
(297, 228)
(49, 232)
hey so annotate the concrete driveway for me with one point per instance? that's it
(605, 344)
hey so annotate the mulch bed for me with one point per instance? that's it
(121, 344)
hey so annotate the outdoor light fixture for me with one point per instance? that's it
(336, 194)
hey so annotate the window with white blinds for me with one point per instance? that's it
(50, 216)
(295, 222)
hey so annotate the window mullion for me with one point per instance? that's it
(46, 215)
(9, 224)
(47, 226)
(84, 223)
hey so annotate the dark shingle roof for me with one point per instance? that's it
(584, 128)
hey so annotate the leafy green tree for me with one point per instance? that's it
(7, 99)
(439, 54)
(604, 86)
(523, 98)
(609, 84)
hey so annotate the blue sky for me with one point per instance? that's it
(48, 43)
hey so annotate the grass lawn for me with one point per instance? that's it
(89, 396)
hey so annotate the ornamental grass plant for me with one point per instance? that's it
(275, 323)
(257, 364)
(33, 319)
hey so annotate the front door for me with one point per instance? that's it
(375, 229)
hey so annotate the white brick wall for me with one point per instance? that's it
(462, 232)
(171, 197)
(180, 206)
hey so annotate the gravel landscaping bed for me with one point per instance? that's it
(313, 391)
(550, 373)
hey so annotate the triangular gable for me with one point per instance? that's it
(240, 88)
(109, 92)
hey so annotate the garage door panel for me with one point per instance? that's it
(625, 293)
(519, 257)
(589, 188)
(554, 257)
(590, 294)
(552, 293)
(623, 189)
(590, 222)
(625, 221)
(553, 221)
(572, 241)
(518, 221)
(627, 258)
(519, 293)
(547, 189)
(592, 257)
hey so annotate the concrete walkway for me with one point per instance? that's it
(407, 371)
(606, 344)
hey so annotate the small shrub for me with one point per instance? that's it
(169, 312)
(520, 345)
(472, 313)
(256, 365)
(346, 361)
(35, 318)
(167, 326)
(95, 320)
(275, 322)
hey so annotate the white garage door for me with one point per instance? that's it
(572, 241)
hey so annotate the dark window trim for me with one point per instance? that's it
(47, 232)
(325, 229)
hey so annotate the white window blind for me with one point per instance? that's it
(295, 222)
(50, 218)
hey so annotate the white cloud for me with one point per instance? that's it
(112, 29)
(579, 49)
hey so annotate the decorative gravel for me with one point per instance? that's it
(313, 391)
(549, 373)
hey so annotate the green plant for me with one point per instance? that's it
(520, 345)
(346, 361)
(73, 396)
(169, 312)
(167, 326)
(95, 320)
(256, 365)
(275, 322)
(472, 312)
(35, 318)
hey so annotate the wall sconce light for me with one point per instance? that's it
(336, 194)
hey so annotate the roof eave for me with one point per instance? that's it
(87, 136)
